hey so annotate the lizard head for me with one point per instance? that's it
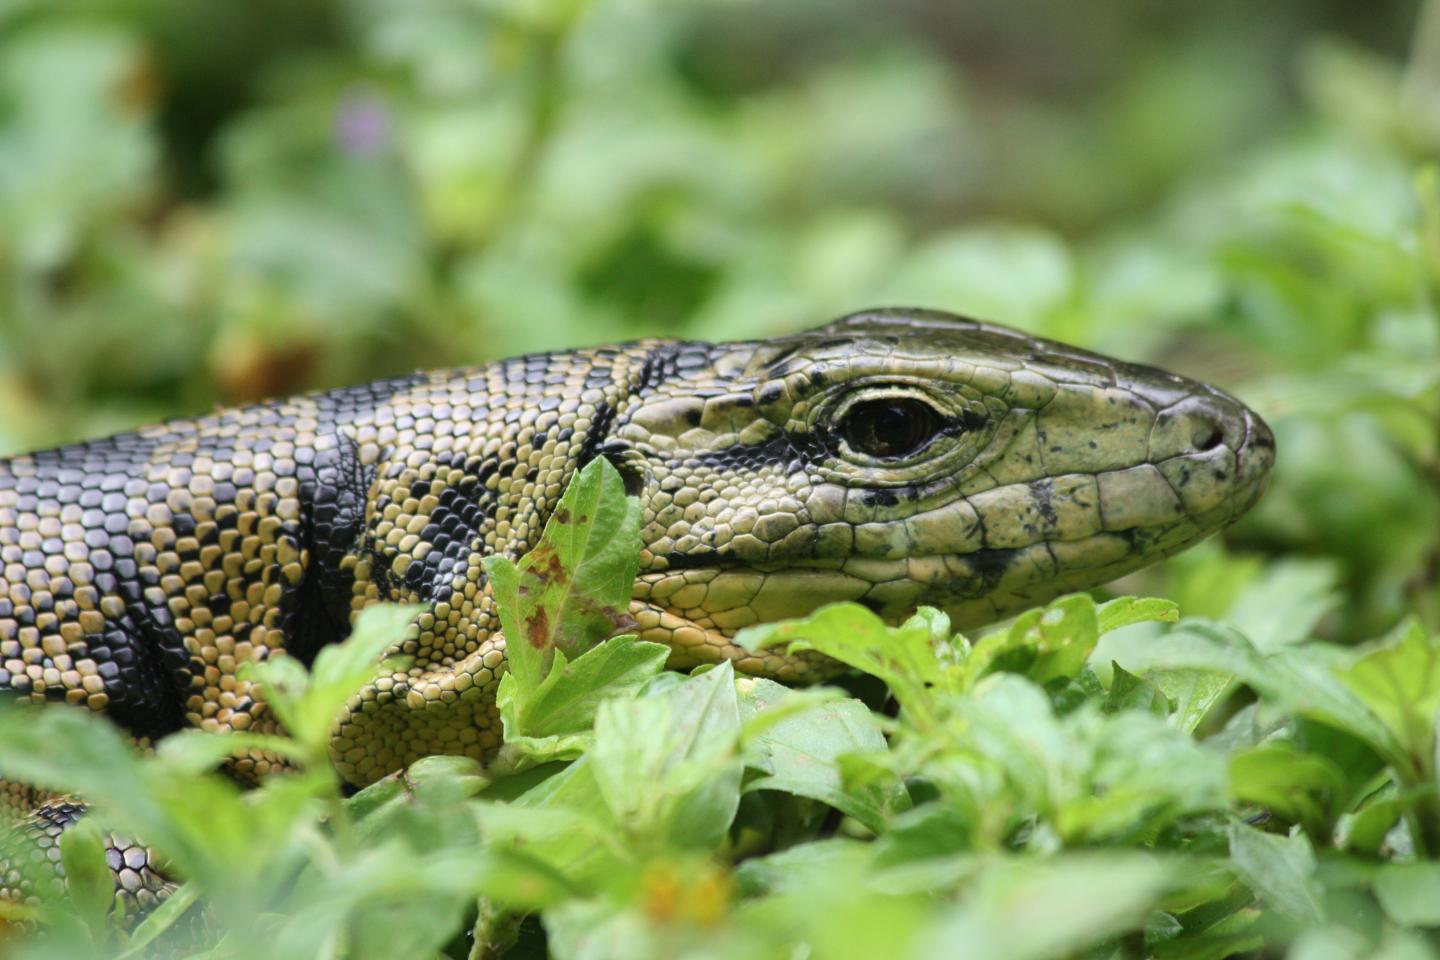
(907, 457)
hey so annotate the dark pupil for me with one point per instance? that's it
(889, 428)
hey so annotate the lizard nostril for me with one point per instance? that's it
(1207, 436)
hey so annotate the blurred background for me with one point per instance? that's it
(212, 201)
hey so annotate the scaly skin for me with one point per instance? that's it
(140, 571)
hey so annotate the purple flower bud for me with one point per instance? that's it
(363, 126)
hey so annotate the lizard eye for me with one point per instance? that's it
(888, 428)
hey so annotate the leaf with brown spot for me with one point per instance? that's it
(539, 629)
(569, 592)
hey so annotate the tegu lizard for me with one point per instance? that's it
(893, 458)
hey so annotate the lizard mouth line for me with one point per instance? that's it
(698, 611)
(1137, 537)
(727, 597)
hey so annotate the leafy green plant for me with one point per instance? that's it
(1207, 797)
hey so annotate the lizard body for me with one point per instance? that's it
(893, 458)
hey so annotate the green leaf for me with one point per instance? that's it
(1365, 831)
(554, 721)
(801, 752)
(446, 779)
(563, 824)
(1193, 693)
(1010, 756)
(1032, 911)
(1050, 644)
(1129, 692)
(385, 903)
(567, 700)
(204, 824)
(88, 882)
(802, 866)
(1281, 871)
(1063, 637)
(663, 775)
(1087, 777)
(667, 765)
(1282, 606)
(1136, 774)
(342, 668)
(1410, 893)
(307, 703)
(1303, 679)
(1298, 787)
(383, 792)
(1398, 679)
(908, 658)
(573, 589)
(1086, 686)
(1128, 611)
(1331, 943)
(77, 752)
(194, 752)
(159, 920)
